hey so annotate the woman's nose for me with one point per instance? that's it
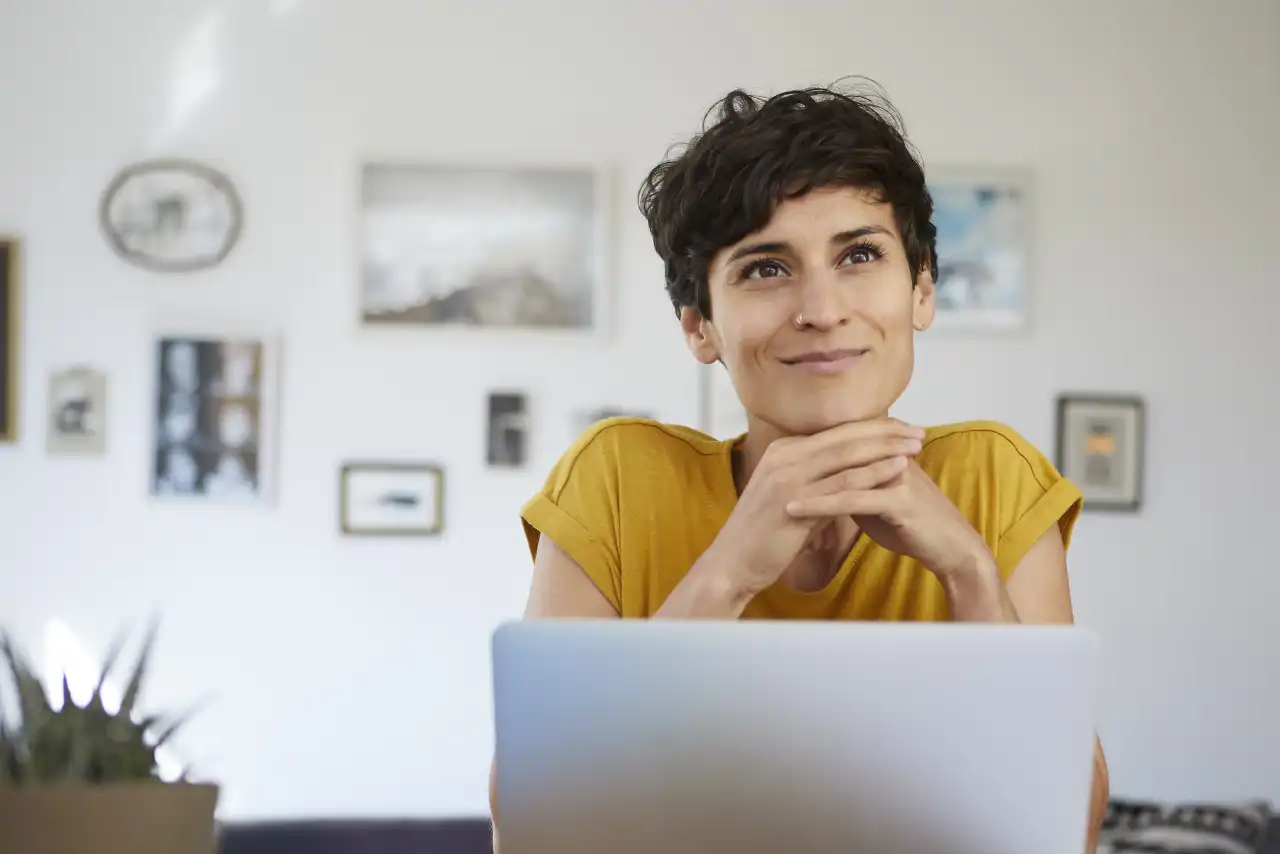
(821, 304)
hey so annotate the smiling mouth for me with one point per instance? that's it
(825, 357)
(826, 362)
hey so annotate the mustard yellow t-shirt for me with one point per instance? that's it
(636, 502)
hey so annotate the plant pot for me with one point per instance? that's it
(137, 818)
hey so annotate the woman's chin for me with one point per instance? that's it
(818, 420)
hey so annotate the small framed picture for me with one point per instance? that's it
(10, 335)
(77, 415)
(171, 215)
(388, 499)
(1101, 446)
(508, 430)
(215, 410)
(984, 223)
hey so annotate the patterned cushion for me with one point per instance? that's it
(1134, 827)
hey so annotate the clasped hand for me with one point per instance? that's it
(864, 470)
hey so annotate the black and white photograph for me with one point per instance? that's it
(983, 219)
(1100, 448)
(476, 247)
(77, 412)
(508, 429)
(213, 411)
(171, 215)
(391, 499)
(721, 414)
(10, 335)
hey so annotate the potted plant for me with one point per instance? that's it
(83, 780)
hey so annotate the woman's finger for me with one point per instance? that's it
(860, 502)
(861, 477)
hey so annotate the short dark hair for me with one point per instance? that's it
(754, 152)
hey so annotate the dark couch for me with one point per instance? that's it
(452, 836)
(418, 836)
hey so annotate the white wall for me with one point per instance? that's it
(351, 676)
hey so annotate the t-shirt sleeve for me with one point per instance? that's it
(1032, 497)
(578, 509)
(1007, 488)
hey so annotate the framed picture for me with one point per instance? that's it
(215, 410)
(391, 499)
(984, 224)
(1101, 446)
(508, 429)
(171, 215)
(483, 247)
(77, 412)
(10, 336)
(720, 412)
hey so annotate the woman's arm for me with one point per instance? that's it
(1041, 593)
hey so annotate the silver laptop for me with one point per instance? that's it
(675, 737)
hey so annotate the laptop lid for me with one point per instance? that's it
(628, 736)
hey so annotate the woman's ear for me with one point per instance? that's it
(699, 335)
(924, 300)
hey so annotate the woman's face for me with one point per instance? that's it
(815, 314)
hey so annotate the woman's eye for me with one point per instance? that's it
(861, 255)
(765, 270)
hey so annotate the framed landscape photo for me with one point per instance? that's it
(391, 499)
(984, 223)
(483, 247)
(10, 336)
(1101, 448)
(215, 409)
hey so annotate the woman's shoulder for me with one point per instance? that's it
(1005, 485)
(634, 443)
(982, 448)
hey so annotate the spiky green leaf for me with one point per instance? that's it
(134, 687)
(80, 743)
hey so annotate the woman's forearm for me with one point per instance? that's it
(975, 591)
(708, 591)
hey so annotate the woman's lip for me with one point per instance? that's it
(825, 355)
(826, 361)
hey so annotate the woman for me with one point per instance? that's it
(799, 251)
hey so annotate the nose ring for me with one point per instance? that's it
(800, 319)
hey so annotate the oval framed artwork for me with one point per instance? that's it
(171, 215)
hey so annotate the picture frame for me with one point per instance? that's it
(10, 338)
(508, 429)
(720, 412)
(391, 499)
(1101, 447)
(215, 405)
(76, 412)
(480, 246)
(171, 215)
(985, 224)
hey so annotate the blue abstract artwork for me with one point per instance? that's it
(983, 231)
